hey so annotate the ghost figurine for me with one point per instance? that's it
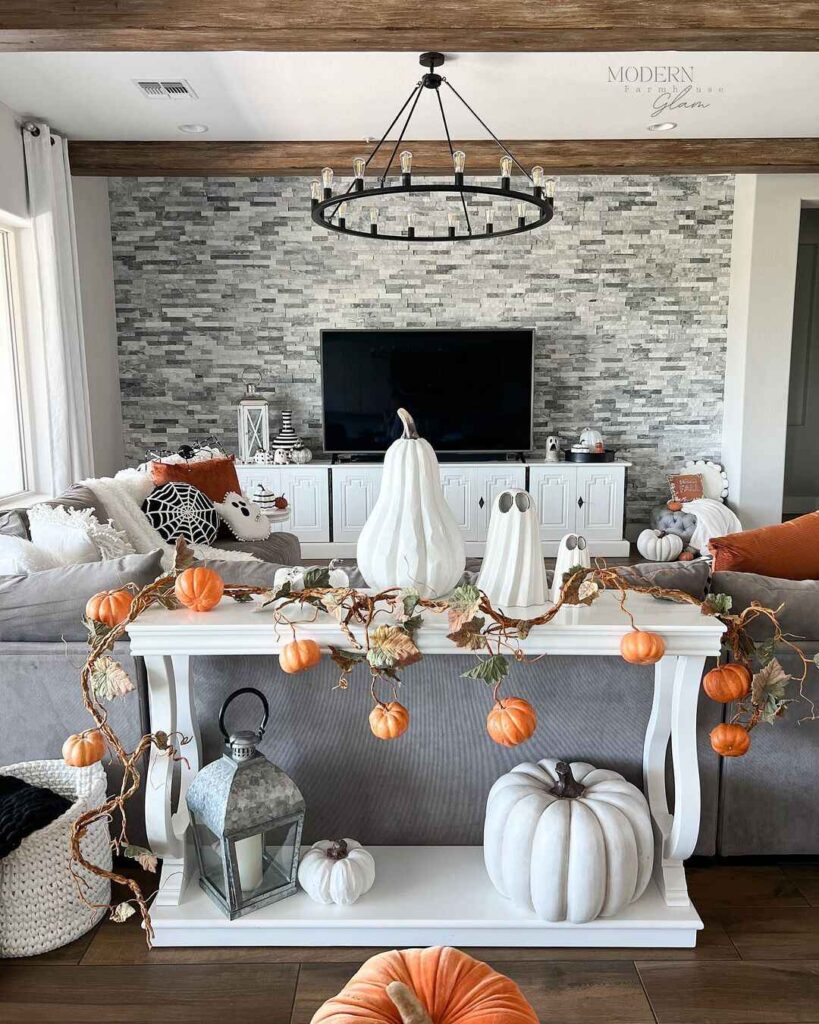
(513, 574)
(573, 551)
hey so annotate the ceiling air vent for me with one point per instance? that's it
(175, 89)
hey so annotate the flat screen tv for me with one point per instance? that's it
(468, 390)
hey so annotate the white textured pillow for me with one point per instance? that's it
(19, 557)
(245, 519)
(71, 536)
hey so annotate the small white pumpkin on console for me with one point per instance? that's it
(411, 538)
(336, 871)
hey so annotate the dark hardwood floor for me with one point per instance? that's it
(757, 962)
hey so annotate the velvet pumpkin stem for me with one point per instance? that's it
(406, 1002)
(567, 785)
(410, 430)
(339, 849)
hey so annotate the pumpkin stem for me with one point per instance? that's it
(339, 849)
(406, 1002)
(410, 430)
(566, 785)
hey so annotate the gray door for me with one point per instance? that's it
(802, 451)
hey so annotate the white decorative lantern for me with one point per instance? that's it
(254, 424)
(513, 573)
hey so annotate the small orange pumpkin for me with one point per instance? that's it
(686, 556)
(727, 682)
(511, 721)
(110, 607)
(82, 749)
(389, 721)
(674, 506)
(299, 656)
(199, 588)
(450, 986)
(642, 648)
(730, 739)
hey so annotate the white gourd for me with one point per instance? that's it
(336, 871)
(657, 546)
(571, 842)
(411, 538)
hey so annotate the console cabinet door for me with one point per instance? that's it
(600, 498)
(488, 485)
(461, 493)
(355, 490)
(554, 489)
(308, 491)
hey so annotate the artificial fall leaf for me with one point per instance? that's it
(406, 605)
(183, 556)
(161, 740)
(95, 629)
(463, 604)
(121, 912)
(109, 679)
(146, 860)
(490, 671)
(469, 635)
(346, 660)
(587, 592)
(242, 598)
(768, 691)
(318, 576)
(391, 647)
(717, 604)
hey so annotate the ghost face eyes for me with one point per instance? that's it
(521, 501)
(242, 506)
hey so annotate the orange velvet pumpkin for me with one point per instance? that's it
(82, 749)
(199, 589)
(110, 607)
(511, 721)
(452, 987)
(686, 556)
(727, 682)
(730, 739)
(299, 656)
(641, 648)
(389, 721)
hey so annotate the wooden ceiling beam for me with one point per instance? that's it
(598, 156)
(454, 25)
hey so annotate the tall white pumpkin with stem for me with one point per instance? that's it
(411, 538)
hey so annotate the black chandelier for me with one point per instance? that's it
(332, 211)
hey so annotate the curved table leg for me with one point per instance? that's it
(673, 718)
(170, 700)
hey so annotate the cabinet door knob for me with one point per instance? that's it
(580, 503)
(481, 503)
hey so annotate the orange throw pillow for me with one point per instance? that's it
(214, 477)
(789, 551)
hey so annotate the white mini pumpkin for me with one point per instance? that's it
(294, 575)
(571, 842)
(411, 538)
(336, 871)
(657, 546)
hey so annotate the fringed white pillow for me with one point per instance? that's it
(69, 536)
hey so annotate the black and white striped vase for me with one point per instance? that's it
(287, 437)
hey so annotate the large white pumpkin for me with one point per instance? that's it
(411, 538)
(657, 546)
(571, 842)
(336, 871)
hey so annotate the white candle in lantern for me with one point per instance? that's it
(249, 859)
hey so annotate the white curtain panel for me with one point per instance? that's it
(65, 407)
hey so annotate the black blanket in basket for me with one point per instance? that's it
(25, 808)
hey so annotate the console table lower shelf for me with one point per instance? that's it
(423, 896)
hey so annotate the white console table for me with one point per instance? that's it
(429, 895)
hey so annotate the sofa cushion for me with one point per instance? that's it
(280, 548)
(785, 551)
(49, 605)
(799, 599)
(14, 523)
(182, 510)
(214, 477)
(692, 577)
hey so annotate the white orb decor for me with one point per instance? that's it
(569, 841)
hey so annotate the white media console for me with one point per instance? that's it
(329, 503)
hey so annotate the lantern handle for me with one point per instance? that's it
(236, 693)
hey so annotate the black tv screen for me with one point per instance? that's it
(468, 390)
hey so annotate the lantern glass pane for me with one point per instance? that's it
(280, 852)
(210, 852)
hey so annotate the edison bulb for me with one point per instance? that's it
(537, 176)
(358, 167)
(315, 190)
(506, 166)
(406, 162)
(327, 177)
(549, 187)
(459, 160)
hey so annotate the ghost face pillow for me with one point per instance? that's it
(244, 518)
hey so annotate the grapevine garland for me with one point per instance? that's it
(387, 623)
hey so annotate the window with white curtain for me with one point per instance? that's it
(13, 449)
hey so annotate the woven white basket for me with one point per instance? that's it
(39, 905)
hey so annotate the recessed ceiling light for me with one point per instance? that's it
(662, 126)
(193, 129)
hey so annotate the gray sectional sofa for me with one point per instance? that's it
(432, 789)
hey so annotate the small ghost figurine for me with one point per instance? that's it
(573, 551)
(512, 572)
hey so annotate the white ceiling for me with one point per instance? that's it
(303, 96)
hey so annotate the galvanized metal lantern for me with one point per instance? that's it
(254, 421)
(247, 817)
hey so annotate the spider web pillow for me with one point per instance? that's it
(180, 510)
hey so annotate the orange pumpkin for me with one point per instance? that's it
(452, 988)
(110, 607)
(674, 506)
(641, 648)
(389, 721)
(727, 682)
(82, 749)
(199, 589)
(511, 721)
(686, 556)
(730, 739)
(299, 656)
